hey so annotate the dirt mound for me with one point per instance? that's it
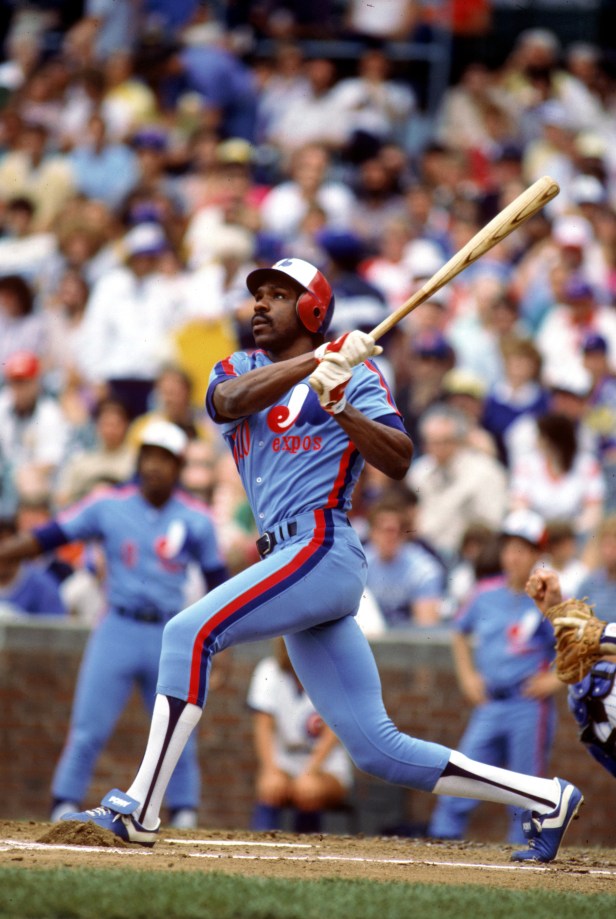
(73, 833)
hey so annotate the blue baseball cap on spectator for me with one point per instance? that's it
(341, 244)
(432, 344)
(594, 342)
(150, 138)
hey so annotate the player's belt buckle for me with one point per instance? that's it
(265, 544)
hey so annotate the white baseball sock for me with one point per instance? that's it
(465, 778)
(173, 721)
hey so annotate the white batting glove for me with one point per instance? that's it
(330, 380)
(355, 346)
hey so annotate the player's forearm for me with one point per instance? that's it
(323, 747)
(21, 546)
(254, 391)
(387, 449)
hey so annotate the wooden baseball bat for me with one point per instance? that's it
(526, 205)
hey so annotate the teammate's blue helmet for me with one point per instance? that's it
(315, 307)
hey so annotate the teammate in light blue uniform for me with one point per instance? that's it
(503, 650)
(299, 456)
(151, 532)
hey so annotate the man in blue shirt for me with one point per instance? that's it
(406, 581)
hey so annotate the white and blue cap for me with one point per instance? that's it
(166, 435)
(315, 307)
(525, 524)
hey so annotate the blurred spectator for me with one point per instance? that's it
(284, 85)
(474, 113)
(128, 321)
(21, 326)
(319, 119)
(421, 364)
(23, 250)
(63, 313)
(533, 75)
(569, 390)
(129, 103)
(204, 64)
(198, 474)
(562, 554)
(476, 333)
(562, 333)
(407, 583)
(33, 428)
(26, 588)
(600, 583)
(394, 21)
(465, 393)
(502, 649)
(216, 288)
(379, 196)
(308, 183)
(376, 107)
(388, 269)
(102, 168)
(456, 484)
(111, 458)
(172, 400)
(557, 479)
(518, 393)
(466, 570)
(600, 416)
(36, 172)
(300, 763)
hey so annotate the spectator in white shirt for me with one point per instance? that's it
(128, 320)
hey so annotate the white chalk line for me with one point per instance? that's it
(8, 844)
(240, 842)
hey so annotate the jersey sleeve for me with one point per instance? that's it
(369, 392)
(227, 369)
(82, 520)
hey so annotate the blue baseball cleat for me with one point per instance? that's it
(116, 814)
(545, 831)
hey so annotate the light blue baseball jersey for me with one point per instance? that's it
(147, 549)
(279, 451)
(513, 640)
(398, 583)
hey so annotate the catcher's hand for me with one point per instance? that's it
(578, 639)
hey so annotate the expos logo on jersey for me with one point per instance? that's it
(167, 547)
(291, 419)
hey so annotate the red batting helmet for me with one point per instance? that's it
(315, 307)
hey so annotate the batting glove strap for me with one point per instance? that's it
(330, 380)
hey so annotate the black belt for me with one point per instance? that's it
(267, 542)
(144, 614)
(506, 692)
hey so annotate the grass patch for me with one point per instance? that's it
(78, 893)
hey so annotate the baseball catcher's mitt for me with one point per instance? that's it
(578, 639)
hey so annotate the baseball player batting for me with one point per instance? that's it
(299, 456)
(151, 532)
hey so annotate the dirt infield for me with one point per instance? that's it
(283, 855)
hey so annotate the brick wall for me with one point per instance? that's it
(38, 668)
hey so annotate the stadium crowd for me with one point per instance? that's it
(151, 157)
